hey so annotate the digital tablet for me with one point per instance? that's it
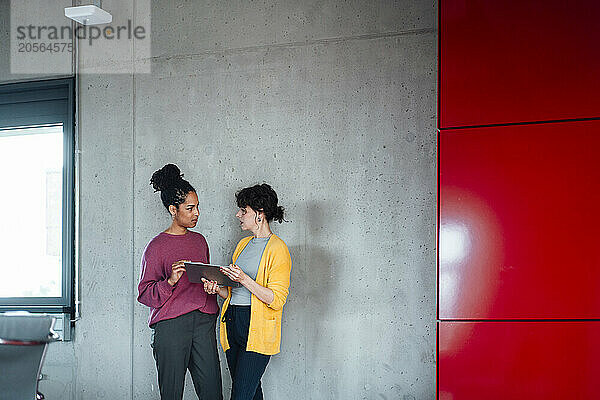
(196, 271)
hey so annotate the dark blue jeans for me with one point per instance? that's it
(246, 367)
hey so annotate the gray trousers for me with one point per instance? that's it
(187, 342)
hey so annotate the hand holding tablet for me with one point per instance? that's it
(211, 287)
(233, 272)
(196, 271)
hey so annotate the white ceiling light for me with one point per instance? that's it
(88, 15)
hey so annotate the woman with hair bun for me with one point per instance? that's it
(182, 315)
(250, 329)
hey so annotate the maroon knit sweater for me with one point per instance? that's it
(166, 301)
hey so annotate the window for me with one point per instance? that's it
(37, 196)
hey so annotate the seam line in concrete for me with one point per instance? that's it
(77, 244)
(133, 275)
(370, 36)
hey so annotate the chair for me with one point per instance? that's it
(23, 341)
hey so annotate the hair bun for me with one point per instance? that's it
(166, 177)
(278, 216)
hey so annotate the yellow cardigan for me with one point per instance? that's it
(265, 319)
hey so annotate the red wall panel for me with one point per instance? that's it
(518, 226)
(518, 229)
(518, 360)
(513, 61)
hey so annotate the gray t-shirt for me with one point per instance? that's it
(248, 261)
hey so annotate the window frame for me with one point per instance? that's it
(46, 90)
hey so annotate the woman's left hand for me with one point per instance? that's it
(210, 287)
(234, 273)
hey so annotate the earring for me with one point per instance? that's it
(259, 219)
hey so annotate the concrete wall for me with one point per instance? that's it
(333, 103)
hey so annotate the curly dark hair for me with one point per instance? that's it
(261, 198)
(170, 183)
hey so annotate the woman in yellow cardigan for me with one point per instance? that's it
(251, 314)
